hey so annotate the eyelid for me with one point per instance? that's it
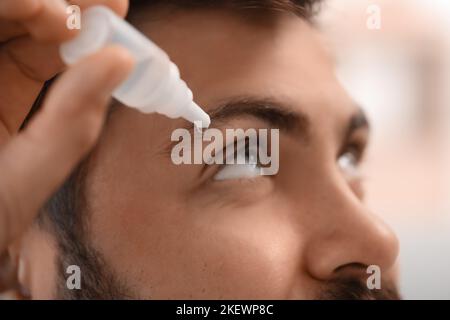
(356, 143)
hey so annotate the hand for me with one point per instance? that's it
(34, 162)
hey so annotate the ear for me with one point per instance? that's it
(34, 258)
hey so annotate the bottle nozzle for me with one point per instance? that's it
(196, 115)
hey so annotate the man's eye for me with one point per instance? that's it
(238, 170)
(349, 163)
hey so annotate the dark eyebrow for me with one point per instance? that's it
(276, 114)
(282, 116)
(357, 121)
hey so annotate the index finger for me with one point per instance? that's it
(46, 20)
(50, 23)
(19, 9)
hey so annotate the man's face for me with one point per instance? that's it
(171, 231)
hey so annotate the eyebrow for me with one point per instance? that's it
(276, 114)
(280, 116)
(357, 121)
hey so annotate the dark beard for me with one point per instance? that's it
(65, 217)
(98, 281)
(356, 289)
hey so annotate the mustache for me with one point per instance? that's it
(356, 289)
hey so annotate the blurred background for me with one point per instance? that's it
(393, 57)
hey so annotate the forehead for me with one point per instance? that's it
(223, 54)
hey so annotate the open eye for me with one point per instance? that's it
(232, 170)
(350, 162)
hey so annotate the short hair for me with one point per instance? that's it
(302, 8)
(64, 214)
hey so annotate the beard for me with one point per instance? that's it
(356, 289)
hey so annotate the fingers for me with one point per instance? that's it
(49, 23)
(45, 20)
(12, 12)
(27, 63)
(35, 162)
(19, 9)
(17, 93)
(10, 29)
(38, 61)
(118, 6)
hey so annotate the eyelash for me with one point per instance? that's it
(353, 175)
(236, 152)
(350, 167)
(219, 167)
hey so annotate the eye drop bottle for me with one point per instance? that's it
(154, 85)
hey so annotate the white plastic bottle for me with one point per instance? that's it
(154, 85)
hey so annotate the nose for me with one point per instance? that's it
(348, 235)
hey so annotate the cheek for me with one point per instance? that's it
(249, 253)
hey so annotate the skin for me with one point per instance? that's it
(174, 232)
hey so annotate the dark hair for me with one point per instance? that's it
(64, 214)
(303, 8)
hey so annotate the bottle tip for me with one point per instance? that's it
(196, 115)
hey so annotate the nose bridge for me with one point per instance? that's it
(346, 233)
